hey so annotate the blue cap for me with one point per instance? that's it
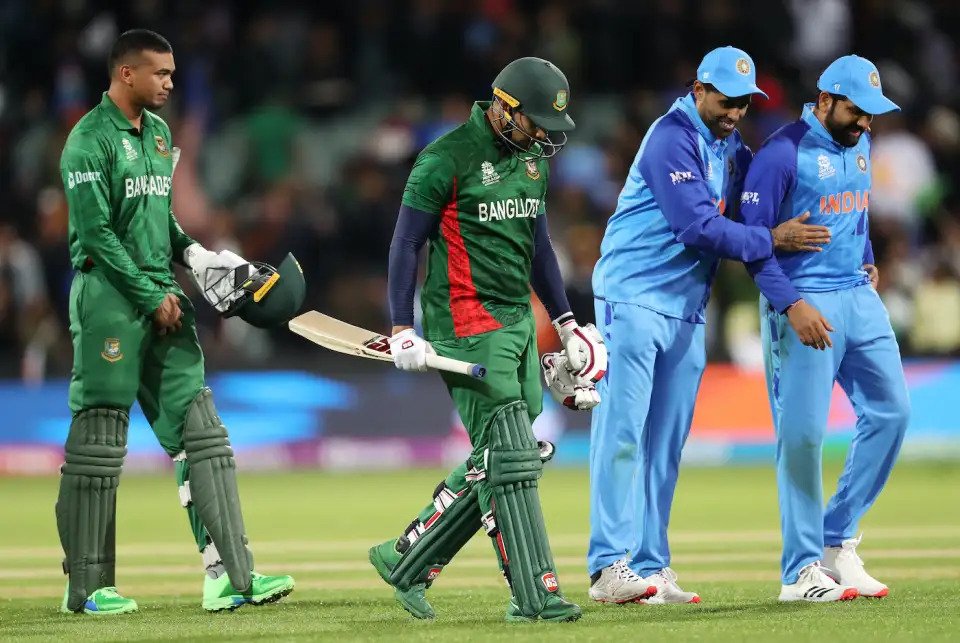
(731, 71)
(858, 79)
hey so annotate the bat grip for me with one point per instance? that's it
(441, 363)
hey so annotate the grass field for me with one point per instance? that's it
(317, 526)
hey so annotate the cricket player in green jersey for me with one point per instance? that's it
(477, 194)
(134, 338)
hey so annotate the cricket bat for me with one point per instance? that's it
(342, 337)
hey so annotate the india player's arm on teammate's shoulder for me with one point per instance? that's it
(772, 175)
(86, 175)
(673, 170)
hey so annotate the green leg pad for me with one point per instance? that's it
(213, 487)
(513, 467)
(87, 502)
(427, 546)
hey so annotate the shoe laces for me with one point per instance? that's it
(814, 573)
(624, 572)
(110, 592)
(848, 549)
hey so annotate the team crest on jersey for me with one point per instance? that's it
(862, 162)
(488, 175)
(161, 146)
(874, 78)
(111, 350)
(549, 581)
(561, 103)
(743, 66)
(532, 170)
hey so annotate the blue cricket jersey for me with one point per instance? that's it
(799, 169)
(664, 241)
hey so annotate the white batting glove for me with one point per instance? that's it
(564, 386)
(409, 350)
(215, 274)
(584, 347)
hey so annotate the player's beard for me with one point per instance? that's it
(843, 134)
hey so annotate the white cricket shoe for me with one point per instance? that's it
(619, 584)
(846, 567)
(668, 591)
(815, 586)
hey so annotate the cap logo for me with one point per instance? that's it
(561, 103)
(874, 79)
(743, 66)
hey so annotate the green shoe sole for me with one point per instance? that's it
(225, 603)
(273, 595)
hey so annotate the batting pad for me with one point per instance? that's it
(426, 547)
(513, 467)
(87, 504)
(213, 487)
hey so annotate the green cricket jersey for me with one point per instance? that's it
(478, 270)
(118, 186)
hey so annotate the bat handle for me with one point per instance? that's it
(441, 363)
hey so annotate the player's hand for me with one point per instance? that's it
(873, 273)
(796, 236)
(564, 386)
(215, 274)
(409, 350)
(167, 316)
(584, 347)
(811, 327)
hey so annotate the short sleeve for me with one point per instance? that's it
(430, 185)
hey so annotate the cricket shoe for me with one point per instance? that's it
(846, 567)
(103, 602)
(414, 599)
(668, 592)
(556, 610)
(619, 584)
(813, 585)
(219, 594)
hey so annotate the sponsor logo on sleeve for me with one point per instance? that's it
(76, 178)
(751, 198)
(680, 176)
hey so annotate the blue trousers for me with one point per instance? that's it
(638, 431)
(865, 360)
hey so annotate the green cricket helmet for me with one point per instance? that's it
(539, 89)
(268, 296)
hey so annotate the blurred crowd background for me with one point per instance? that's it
(299, 125)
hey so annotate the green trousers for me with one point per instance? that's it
(513, 373)
(118, 358)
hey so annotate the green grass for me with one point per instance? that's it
(317, 526)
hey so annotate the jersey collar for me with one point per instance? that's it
(688, 106)
(116, 116)
(478, 120)
(816, 126)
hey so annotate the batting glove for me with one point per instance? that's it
(564, 385)
(584, 347)
(409, 350)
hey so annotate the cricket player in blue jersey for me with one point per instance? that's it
(651, 284)
(822, 321)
